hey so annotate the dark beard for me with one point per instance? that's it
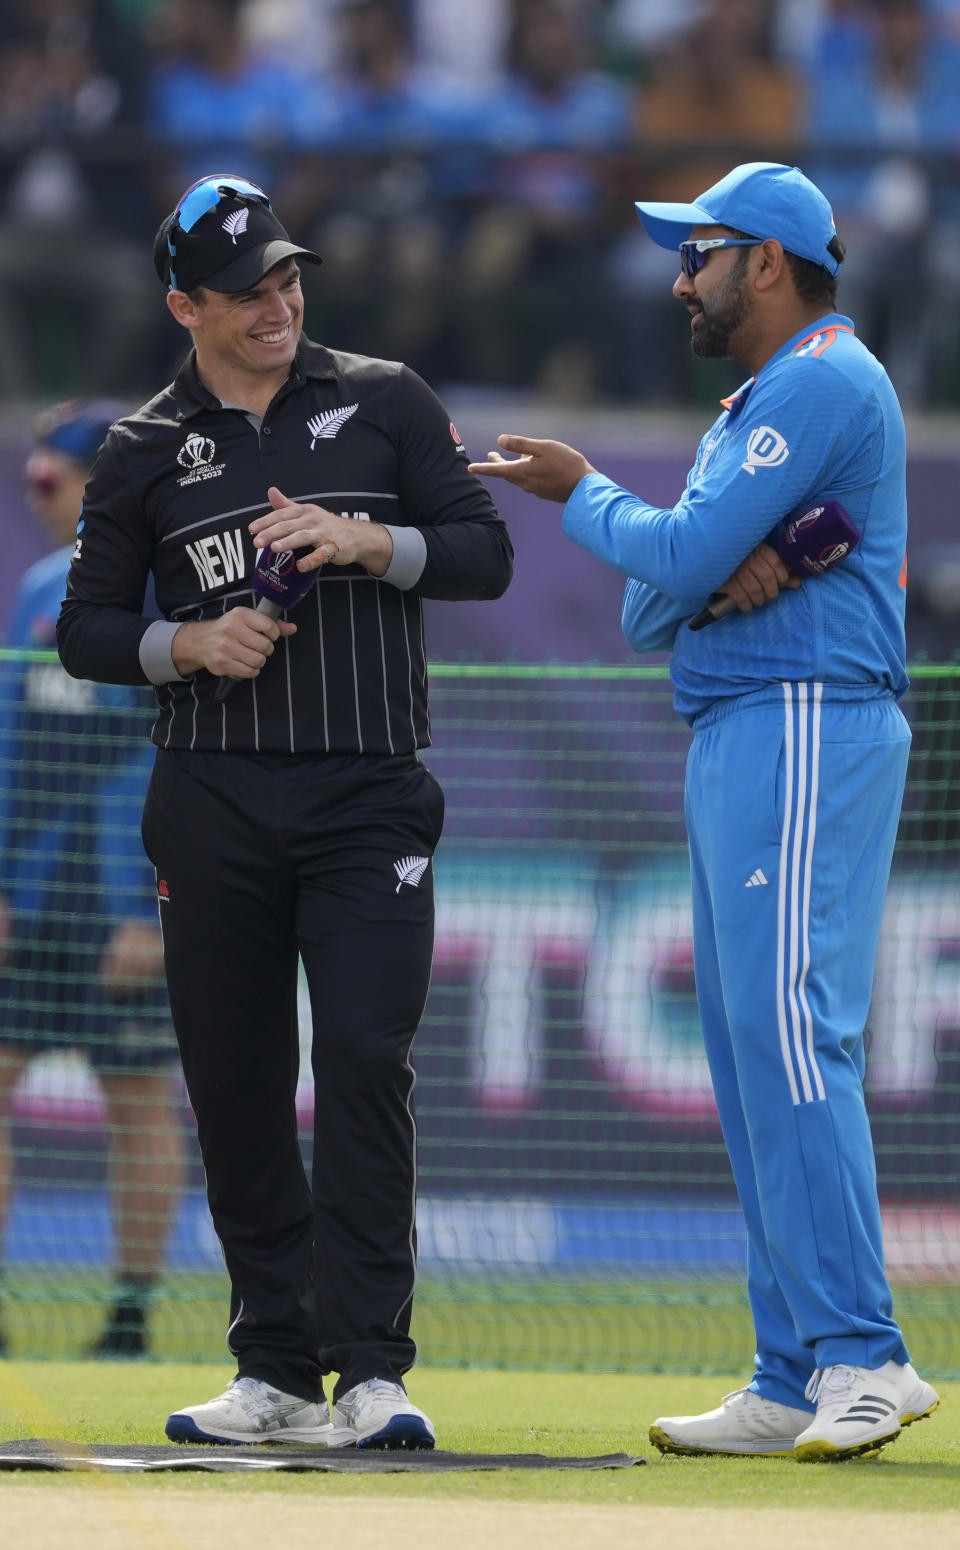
(728, 308)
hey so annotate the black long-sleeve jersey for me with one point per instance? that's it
(173, 491)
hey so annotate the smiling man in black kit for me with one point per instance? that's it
(293, 817)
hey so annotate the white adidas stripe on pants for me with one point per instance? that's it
(794, 1019)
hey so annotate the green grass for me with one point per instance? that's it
(510, 1322)
(495, 1412)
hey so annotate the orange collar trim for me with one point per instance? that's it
(728, 403)
(829, 335)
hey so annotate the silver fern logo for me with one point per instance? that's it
(323, 427)
(236, 224)
(410, 869)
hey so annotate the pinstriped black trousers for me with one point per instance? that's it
(260, 859)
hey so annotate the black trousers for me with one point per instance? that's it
(260, 858)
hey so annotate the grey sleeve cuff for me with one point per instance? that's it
(155, 652)
(409, 557)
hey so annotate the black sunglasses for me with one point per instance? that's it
(693, 254)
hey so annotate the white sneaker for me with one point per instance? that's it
(860, 1409)
(745, 1422)
(252, 1411)
(378, 1414)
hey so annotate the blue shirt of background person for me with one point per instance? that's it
(74, 756)
(551, 109)
(553, 96)
(210, 93)
(897, 91)
(81, 951)
(381, 99)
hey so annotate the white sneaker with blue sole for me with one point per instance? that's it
(378, 1414)
(253, 1411)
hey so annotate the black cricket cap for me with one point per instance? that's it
(223, 235)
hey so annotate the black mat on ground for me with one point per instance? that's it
(36, 1454)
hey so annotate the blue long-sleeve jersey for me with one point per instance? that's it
(74, 764)
(820, 421)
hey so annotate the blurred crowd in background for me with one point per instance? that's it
(467, 169)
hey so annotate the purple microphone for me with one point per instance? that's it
(808, 546)
(278, 586)
(277, 582)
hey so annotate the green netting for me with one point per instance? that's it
(576, 1206)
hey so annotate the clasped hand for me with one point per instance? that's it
(758, 579)
(239, 643)
(296, 525)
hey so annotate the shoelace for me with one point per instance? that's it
(372, 1388)
(735, 1394)
(830, 1383)
(384, 1386)
(253, 1397)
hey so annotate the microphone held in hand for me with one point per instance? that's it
(277, 580)
(808, 546)
(278, 586)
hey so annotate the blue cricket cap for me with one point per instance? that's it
(78, 429)
(761, 198)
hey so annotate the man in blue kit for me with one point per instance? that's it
(81, 955)
(794, 783)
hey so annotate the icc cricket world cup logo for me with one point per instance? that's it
(196, 451)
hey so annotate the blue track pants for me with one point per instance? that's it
(792, 801)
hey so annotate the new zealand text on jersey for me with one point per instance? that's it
(219, 558)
